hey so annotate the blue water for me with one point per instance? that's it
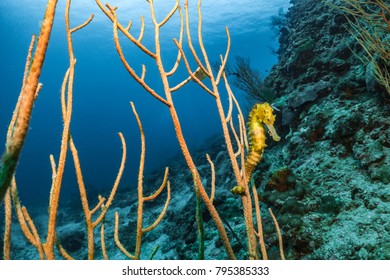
(103, 88)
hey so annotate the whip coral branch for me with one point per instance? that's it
(203, 71)
(66, 114)
(140, 230)
(124, 30)
(15, 143)
(169, 102)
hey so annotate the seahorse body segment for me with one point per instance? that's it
(261, 115)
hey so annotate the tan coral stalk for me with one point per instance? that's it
(27, 96)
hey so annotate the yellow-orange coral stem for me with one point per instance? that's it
(15, 144)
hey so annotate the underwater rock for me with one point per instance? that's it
(338, 65)
(281, 180)
(337, 145)
(375, 158)
(72, 237)
(307, 93)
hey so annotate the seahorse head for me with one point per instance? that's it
(263, 113)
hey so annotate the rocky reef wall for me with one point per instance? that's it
(329, 179)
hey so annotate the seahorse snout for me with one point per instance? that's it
(272, 132)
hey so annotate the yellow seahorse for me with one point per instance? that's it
(261, 115)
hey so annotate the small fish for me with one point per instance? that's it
(200, 74)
